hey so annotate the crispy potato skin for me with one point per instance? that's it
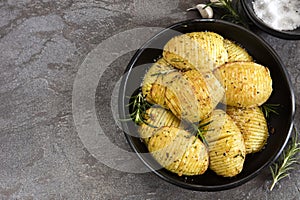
(178, 151)
(246, 84)
(225, 143)
(253, 126)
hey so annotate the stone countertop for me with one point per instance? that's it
(46, 48)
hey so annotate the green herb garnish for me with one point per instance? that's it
(199, 130)
(139, 106)
(267, 109)
(288, 158)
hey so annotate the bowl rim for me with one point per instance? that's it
(198, 187)
(288, 35)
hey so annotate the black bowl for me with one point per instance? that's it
(248, 8)
(262, 53)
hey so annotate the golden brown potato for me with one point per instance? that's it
(246, 84)
(253, 126)
(157, 117)
(225, 143)
(158, 68)
(202, 51)
(190, 95)
(236, 52)
(178, 151)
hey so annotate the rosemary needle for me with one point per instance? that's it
(288, 158)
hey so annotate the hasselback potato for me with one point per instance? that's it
(178, 151)
(246, 84)
(198, 50)
(253, 126)
(189, 95)
(225, 143)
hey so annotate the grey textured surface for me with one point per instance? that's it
(43, 43)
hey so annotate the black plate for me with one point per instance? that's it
(262, 53)
(290, 35)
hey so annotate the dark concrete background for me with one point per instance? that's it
(43, 43)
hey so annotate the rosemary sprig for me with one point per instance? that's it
(232, 11)
(268, 109)
(199, 130)
(282, 167)
(138, 105)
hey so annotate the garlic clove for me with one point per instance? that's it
(205, 11)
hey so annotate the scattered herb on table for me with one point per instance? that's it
(282, 167)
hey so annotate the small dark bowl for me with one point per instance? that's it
(282, 94)
(289, 35)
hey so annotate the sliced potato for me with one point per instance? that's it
(202, 51)
(192, 96)
(246, 84)
(178, 151)
(236, 52)
(225, 143)
(157, 118)
(158, 68)
(253, 126)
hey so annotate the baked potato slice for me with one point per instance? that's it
(225, 143)
(178, 151)
(253, 126)
(246, 84)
